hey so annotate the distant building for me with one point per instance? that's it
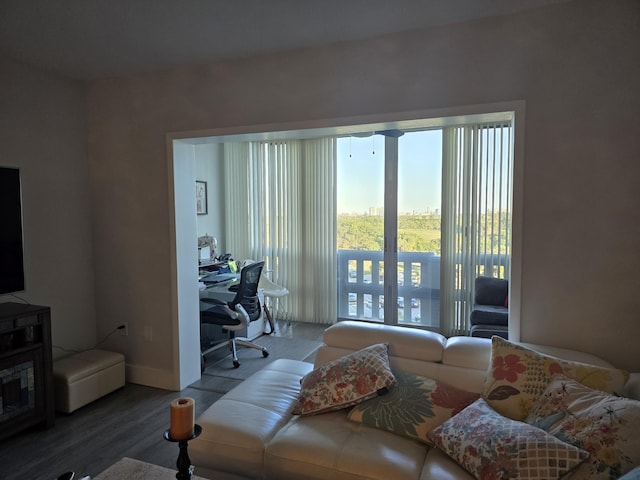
(376, 211)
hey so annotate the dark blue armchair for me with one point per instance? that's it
(490, 314)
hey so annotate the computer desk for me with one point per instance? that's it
(220, 291)
(219, 279)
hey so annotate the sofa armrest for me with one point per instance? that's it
(632, 388)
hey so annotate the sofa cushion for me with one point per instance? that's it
(491, 291)
(518, 376)
(606, 426)
(440, 466)
(413, 407)
(236, 428)
(489, 315)
(345, 381)
(328, 446)
(489, 445)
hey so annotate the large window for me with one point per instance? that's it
(383, 225)
(435, 204)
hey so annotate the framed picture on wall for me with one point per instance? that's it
(201, 197)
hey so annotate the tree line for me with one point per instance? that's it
(416, 233)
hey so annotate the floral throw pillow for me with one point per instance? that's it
(606, 426)
(490, 446)
(518, 376)
(345, 381)
(413, 407)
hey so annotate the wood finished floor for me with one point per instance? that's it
(127, 423)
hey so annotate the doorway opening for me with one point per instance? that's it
(409, 308)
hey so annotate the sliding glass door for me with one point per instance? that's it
(388, 214)
(418, 230)
(421, 214)
(360, 218)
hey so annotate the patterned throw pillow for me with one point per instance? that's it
(345, 381)
(517, 377)
(489, 446)
(413, 407)
(606, 426)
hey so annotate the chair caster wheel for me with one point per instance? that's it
(265, 353)
(236, 364)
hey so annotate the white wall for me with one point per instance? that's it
(186, 325)
(43, 131)
(209, 167)
(574, 64)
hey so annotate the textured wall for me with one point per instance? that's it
(43, 131)
(574, 64)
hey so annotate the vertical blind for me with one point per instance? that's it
(476, 215)
(280, 208)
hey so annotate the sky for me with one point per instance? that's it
(361, 172)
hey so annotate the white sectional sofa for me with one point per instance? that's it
(250, 433)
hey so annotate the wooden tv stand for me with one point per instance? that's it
(26, 368)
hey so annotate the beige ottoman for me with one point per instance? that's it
(86, 376)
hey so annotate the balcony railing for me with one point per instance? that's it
(361, 285)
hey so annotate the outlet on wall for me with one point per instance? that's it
(124, 331)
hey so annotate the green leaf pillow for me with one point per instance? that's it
(413, 407)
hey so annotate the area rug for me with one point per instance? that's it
(132, 469)
(251, 360)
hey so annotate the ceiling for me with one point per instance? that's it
(91, 39)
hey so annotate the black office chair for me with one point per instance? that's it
(236, 314)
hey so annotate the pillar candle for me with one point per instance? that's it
(182, 418)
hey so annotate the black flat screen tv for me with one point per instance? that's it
(11, 246)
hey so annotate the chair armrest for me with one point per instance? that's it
(239, 314)
(242, 313)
